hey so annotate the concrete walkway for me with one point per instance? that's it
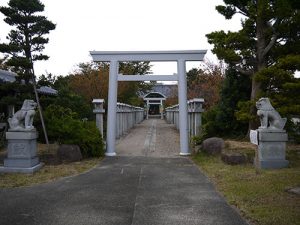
(151, 138)
(123, 190)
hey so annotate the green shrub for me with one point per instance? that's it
(220, 120)
(91, 140)
(64, 127)
(293, 131)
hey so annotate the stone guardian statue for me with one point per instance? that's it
(269, 117)
(271, 136)
(22, 142)
(22, 120)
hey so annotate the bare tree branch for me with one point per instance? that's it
(270, 45)
(273, 38)
(243, 10)
(243, 13)
(243, 71)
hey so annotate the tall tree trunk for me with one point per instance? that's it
(31, 71)
(260, 58)
(254, 94)
(39, 107)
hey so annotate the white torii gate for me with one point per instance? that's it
(114, 57)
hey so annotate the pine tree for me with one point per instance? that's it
(269, 35)
(26, 39)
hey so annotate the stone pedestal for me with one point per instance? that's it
(21, 152)
(271, 149)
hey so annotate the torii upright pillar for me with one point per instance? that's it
(112, 108)
(182, 100)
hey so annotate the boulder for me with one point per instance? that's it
(213, 145)
(233, 158)
(294, 190)
(69, 153)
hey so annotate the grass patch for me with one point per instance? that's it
(260, 195)
(47, 173)
(52, 170)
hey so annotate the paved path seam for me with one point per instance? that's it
(136, 197)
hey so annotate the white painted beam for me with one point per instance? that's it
(150, 103)
(155, 99)
(147, 77)
(187, 55)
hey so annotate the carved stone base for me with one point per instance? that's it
(22, 163)
(271, 149)
(32, 169)
(272, 164)
(21, 152)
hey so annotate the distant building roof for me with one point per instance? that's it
(152, 95)
(47, 90)
(168, 90)
(7, 76)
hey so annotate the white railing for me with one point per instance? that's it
(194, 116)
(127, 117)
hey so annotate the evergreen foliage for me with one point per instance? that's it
(220, 120)
(66, 97)
(65, 127)
(27, 39)
(266, 49)
(14, 94)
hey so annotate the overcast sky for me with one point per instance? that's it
(117, 25)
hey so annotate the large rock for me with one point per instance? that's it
(69, 153)
(294, 190)
(233, 158)
(213, 145)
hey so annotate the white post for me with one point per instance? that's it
(112, 108)
(99, 111)
(118, 120)
(161, 110)
(147, 110)
(183, 114)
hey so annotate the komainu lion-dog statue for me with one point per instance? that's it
(22, 120)
(269, 117)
